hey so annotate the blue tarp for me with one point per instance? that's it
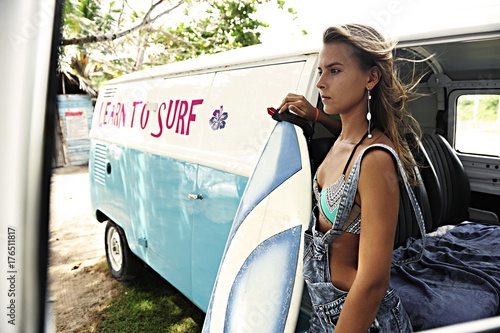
(457, 280)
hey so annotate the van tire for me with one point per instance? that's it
(122, 263)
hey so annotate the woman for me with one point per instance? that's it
(348, 247)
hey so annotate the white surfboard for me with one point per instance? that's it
(259, 284)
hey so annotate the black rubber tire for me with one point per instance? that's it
(122, 263)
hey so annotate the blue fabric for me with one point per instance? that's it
(327, 301)
(457, 279)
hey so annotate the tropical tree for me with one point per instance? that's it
(103, 39)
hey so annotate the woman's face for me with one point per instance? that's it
(342, 83)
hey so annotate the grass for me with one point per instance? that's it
(150, 304)
(100, 267)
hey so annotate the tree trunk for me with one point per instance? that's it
(498, 111)
(141, 48)
(475, 108)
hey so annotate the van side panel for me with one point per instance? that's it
(241, 96)
(163, 215)
(212, 220)
(239, 129)
(145, 135)
(171, 158)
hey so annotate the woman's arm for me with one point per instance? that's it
(379, 194)
(299, 105)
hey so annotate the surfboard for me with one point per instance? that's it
(259, 283)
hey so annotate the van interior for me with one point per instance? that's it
(458, 155)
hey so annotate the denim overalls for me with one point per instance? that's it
(327, 300)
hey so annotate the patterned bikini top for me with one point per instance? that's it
(328, 199)
(347, 198)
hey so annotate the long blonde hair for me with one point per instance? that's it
(389, 96)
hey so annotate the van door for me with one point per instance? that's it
(234, 135)
(169, 177)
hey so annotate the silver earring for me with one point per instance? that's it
(369, 116)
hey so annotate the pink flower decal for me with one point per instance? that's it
(218, 121)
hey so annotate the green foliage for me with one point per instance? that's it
(155, 38)
(82, 17)
(228, 25)
(487, 108)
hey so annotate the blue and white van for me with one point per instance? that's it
(173, 149)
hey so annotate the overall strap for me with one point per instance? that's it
(349, 194)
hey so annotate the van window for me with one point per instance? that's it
(478, 124)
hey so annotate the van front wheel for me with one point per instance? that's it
(122, 263)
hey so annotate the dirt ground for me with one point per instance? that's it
(80, 286)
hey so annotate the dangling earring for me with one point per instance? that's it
(369, 116)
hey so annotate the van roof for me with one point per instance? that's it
(242, 56)
(293, 49)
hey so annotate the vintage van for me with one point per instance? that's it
(173, 149)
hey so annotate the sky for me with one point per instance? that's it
(392, 17)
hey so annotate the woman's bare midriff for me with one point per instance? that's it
(343, 256)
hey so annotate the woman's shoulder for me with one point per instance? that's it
(378, 153)
(378, 156)
(378, 166)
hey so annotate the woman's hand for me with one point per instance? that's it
(299, 105)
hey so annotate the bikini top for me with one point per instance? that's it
(328, 199)
(349, 194)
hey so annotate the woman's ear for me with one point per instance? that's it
(374, 75)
